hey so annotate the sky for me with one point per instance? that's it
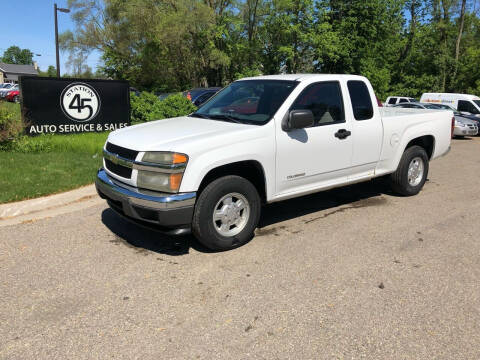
(29, 24)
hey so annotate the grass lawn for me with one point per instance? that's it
(25, 176)
(42, 165)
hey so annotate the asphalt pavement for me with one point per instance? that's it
(352, 273)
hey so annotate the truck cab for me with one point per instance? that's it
(262, 140)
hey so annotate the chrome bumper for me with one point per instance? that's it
(166, 210)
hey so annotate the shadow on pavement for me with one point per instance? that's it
(358, 195)
(139, 237)
(462, 138)
(355, 196)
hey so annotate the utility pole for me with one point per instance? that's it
(55, 9)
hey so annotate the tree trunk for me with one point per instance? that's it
(411, 35)
(444, 38)
(459, 37)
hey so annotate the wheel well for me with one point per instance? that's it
(427, 142)
(250, 170)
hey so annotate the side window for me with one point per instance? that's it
(325, 101)
(403, 100)
(467, 106)
(392, 101)
(361, 101)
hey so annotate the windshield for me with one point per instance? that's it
(477, 102)
(442, 106)
(247, 101)
(431, 106)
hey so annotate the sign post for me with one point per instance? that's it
(61, 105)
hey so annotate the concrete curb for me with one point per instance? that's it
(35, 209)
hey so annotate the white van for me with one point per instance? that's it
(394, 100)
(461, 102)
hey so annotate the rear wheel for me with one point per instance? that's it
(16, 99)
(411, 173)
(226, 213)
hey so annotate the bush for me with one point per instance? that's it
(88, 143)
(11, 126)
(147, 107)
(141, 106)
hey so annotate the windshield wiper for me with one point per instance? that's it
(202, 116)
(226, 117)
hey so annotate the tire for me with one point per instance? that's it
(399, 180)
(213, 210)
(16, 99)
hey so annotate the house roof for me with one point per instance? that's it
(18, 69)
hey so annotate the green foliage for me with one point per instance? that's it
(147, 107)
(11, 126)
(142, 106)
(88, 143)
(15, 55)
(401, 45)
(51, 72)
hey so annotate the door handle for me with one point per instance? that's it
(343, 134)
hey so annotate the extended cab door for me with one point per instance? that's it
(320, 155)
(367, 129)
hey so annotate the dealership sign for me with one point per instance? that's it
(60, 105)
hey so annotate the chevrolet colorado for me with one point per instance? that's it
(261, 140)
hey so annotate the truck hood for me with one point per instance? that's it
(181, 134)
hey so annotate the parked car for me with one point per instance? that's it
(465, 103)
(6, 88)
(163, 96)
(460, 116)
(194, 94)
(462, 126)
(13, 96)
(394, 100)
(211, 171)
(135, 91)
(202, 99)
(465, 127)
(474, 118)
(417, 105)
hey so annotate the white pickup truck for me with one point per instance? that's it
(261, 140)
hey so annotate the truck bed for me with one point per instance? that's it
(400, 124)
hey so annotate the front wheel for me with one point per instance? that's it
(411, 173)
(226, 213)
(16, 99)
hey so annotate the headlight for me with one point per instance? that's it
(161, 171)
(159, 181)
(458, 123)
(167, 158)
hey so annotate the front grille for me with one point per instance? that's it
(121, 151)
(118, 169)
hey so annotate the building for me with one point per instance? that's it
(10, 72)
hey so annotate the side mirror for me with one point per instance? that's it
(298, 119)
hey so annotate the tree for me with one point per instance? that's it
(154, 44)
(15, 55)
(51, 72)
(404, 47)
